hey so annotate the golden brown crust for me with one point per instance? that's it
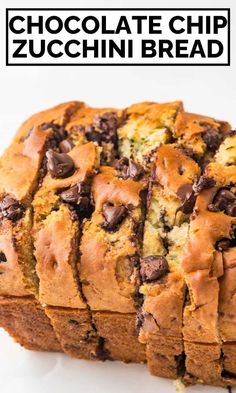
(59, 115)
(108, 188)
(190, 127)
(174, 169)
(20, 164)
(154, 115)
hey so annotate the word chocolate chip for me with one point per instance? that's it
(187, 197)
(224, 200)
(113, 215)
(204, 183)
(66, 145)
(212, 139)
(153, 268)
(59, 165)
(10, 208)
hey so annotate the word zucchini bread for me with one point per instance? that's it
(117, 238)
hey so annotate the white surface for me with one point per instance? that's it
(25, 90)
(23, 371)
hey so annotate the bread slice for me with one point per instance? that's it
(22, 167)
(60, 206)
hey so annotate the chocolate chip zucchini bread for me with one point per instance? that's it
(117, 238)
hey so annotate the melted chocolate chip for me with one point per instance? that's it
(223, 244)
(187, 151)
(10, 208)
(59, 131)
(134, 260)
(107, 121)
(129, 169)
(92, 135)
(114, 215)
(204, 183)
(71, 195)
(153, 268)
(73, 322)
(84, 207)
(3, 257)
(231, 210)
(212, 139)
(135, 170)
(187, 197)
(102, 353)
(59, 165)
(119, 164)
(224, 200)
(230, 133)
(139, 320)
(66, 145)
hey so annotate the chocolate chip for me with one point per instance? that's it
(72, 194)
(224, 200)
(66, 145)
(129, 169)
(231, 210)
(119, 164)
(114, 215)
(59, 131)
(60, 165)
(73, 322)
(135, 170)
(187, 151)
(223, 244)
(139, 320)
(102, 353)
(3, 257)
(134, 260)
(230, 133)
(204, 183)
(107, 121)
(10, 208)
(92, 135)
(212, 139)
(187, 197)
(153, 268)
(84, 207)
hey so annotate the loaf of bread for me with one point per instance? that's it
(117, 238)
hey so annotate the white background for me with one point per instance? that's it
(25, 90)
